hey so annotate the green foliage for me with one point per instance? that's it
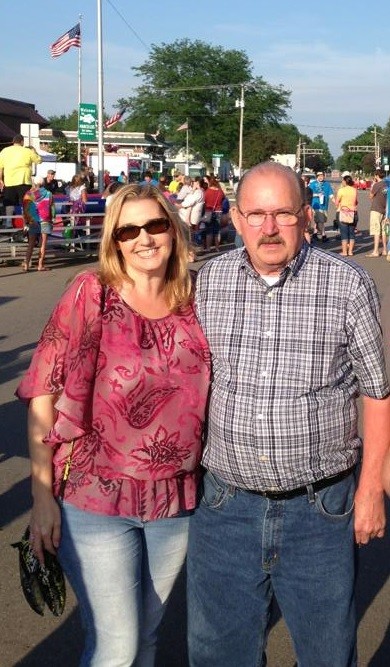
(65, 151)
(359, 161)
(195, 81)
(272, 138)
(385, 138)
(319, 162)
(63, 122)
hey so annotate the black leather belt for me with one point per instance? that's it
(301, 490)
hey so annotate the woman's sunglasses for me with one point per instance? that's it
(131, 232)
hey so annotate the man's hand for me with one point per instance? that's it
(370, 517)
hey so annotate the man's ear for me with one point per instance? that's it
(236, 218)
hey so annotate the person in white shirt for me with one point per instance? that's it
(185, 190)
(191, 208)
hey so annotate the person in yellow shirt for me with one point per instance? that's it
(16, 164)
(175, 182)
(347, 204)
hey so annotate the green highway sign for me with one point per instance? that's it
(217, 155)
(87, 122)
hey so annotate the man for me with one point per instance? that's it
(308, 200)
(91, 180)
(148, 179)
(322, 194)
(16, 164)
(279, 511)
(378, 196)
(50, 183)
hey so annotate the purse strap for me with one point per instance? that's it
(66, 472)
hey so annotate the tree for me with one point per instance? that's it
(362, 160)
(319, 162)
(63, 122)
(200, 83)
(65, 151)
(385, 138)
(272, 138)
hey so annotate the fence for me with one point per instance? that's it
(71, 235)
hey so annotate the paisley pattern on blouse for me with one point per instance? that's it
(132, 392)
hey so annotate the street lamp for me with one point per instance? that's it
(240, 104)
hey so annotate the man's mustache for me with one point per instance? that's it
(270, 239)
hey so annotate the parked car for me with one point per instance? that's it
(361, 184)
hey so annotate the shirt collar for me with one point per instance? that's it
(292, 268)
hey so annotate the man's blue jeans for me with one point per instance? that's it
(122, 571)
(243, 548)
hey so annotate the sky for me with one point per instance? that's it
(334, 57)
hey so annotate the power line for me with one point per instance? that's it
(329, 127)
(129, 26)
(210, 87)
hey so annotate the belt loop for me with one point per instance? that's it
(310, 493)
(231, 490)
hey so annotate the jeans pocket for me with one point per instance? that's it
(336, 502)
(214, 492)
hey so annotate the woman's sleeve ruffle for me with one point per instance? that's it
(66, 356)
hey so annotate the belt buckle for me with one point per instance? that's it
(273, 495)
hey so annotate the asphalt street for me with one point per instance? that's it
(28, 640)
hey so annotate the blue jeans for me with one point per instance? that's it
(244, 548)
(347, 231)
(122, 571)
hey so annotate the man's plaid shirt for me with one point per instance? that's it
(288, 364)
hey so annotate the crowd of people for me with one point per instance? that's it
(318, 195)
(219, 413)
(202, 204)
(201, 201)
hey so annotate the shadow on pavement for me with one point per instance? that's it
(63, 647)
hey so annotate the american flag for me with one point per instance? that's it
(114, 119)
(63, 43)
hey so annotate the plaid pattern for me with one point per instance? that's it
(288, 363)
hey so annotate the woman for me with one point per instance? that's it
(122, 368)
(39, 213)
(122, 178)
(346, 204)
(162, 186)
(213, 198)
(78, 197)
(109, 192)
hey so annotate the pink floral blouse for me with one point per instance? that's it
(131, 392)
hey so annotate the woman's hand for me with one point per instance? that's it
(45, 525)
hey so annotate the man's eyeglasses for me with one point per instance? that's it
(282, 218)
(131, 232)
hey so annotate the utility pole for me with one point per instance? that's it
(298, 154)
(377, 149)
(240, 104)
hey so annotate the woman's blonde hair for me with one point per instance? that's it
(178, 284)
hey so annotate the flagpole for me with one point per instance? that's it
(187, 168)
(100, 97)
(79, 92)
